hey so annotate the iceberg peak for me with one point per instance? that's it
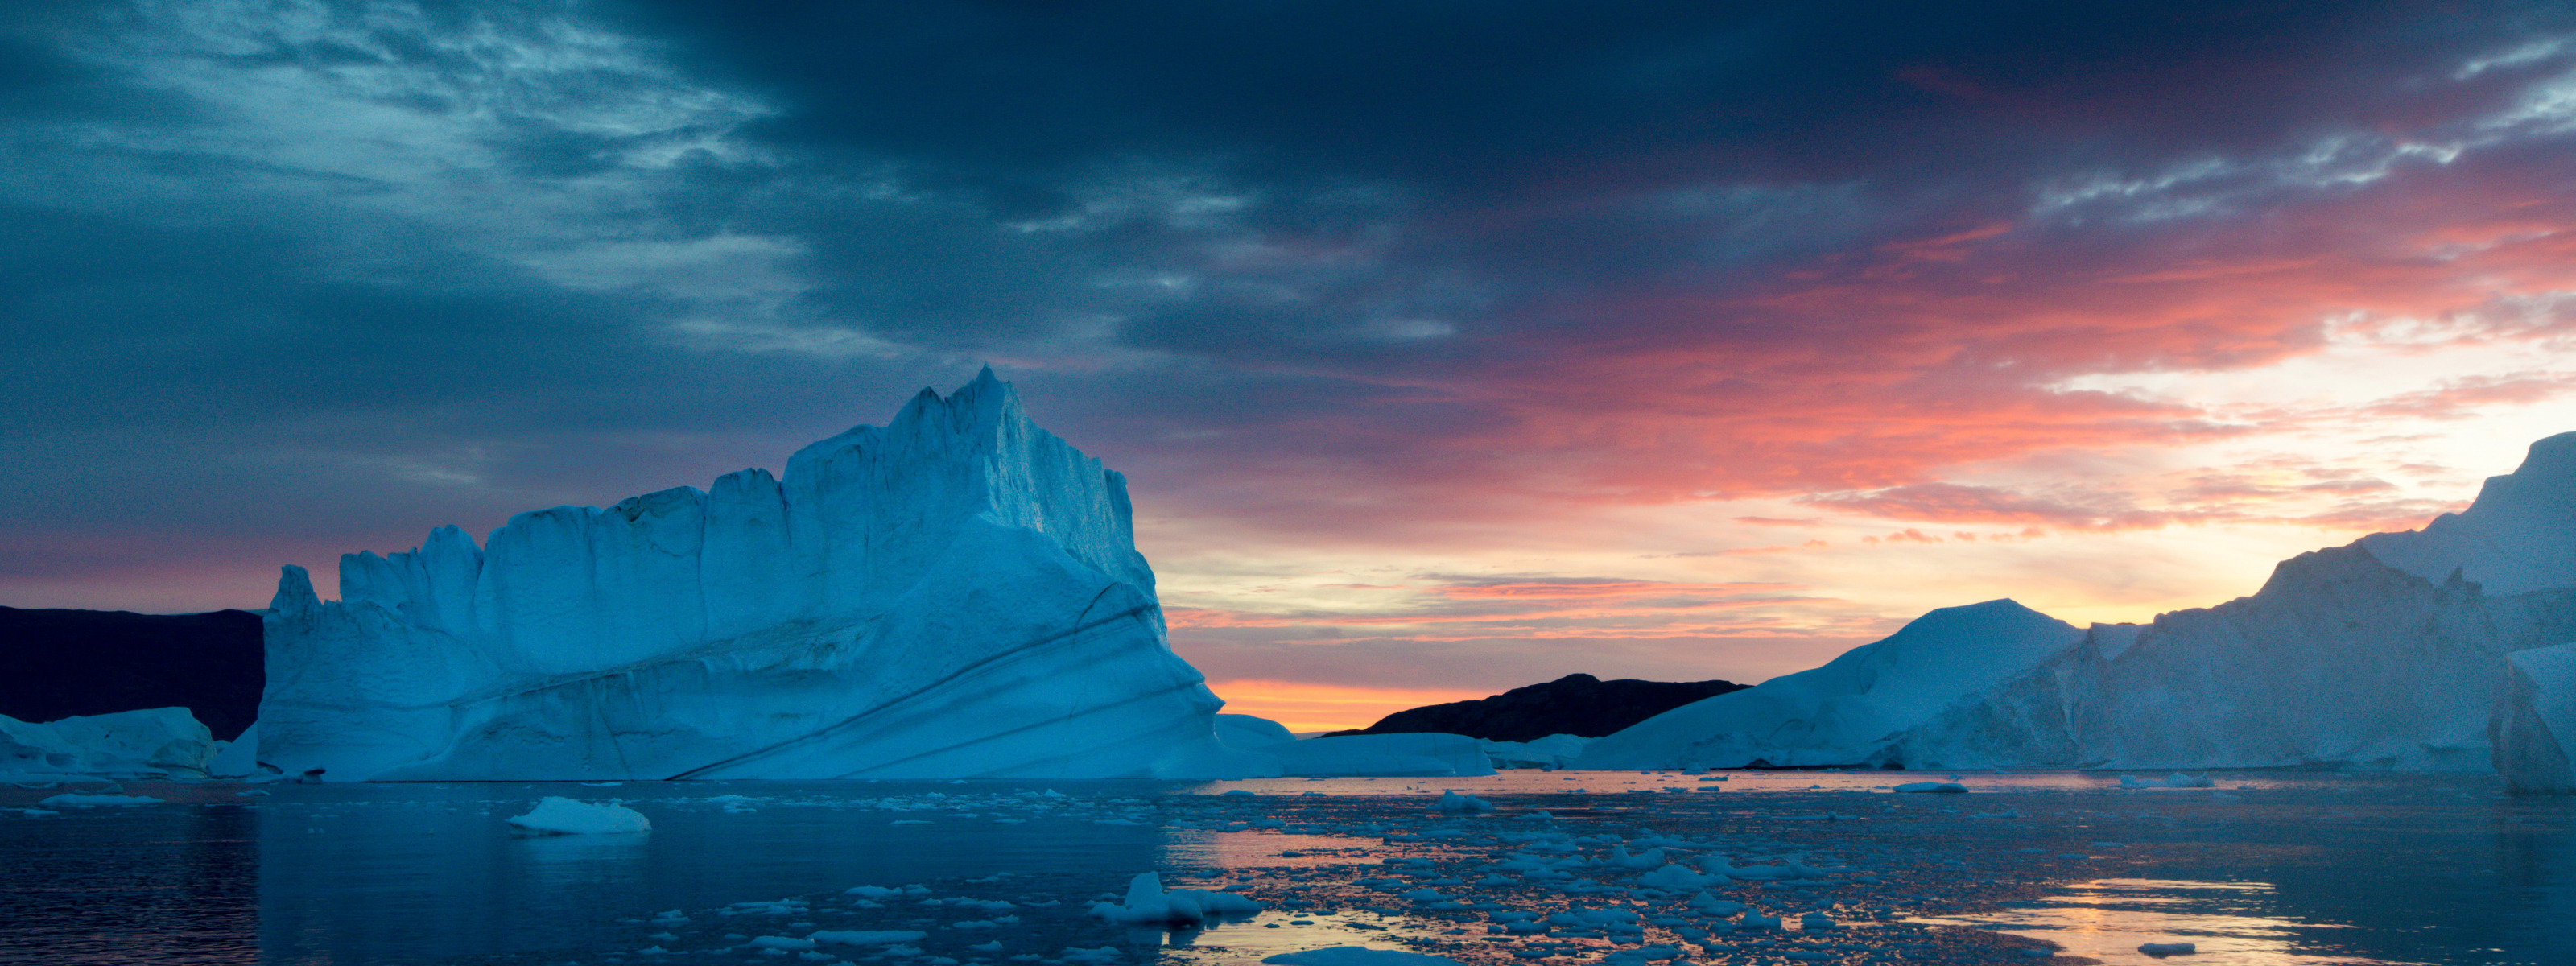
(2518, 535)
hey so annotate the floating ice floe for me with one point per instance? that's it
(1952, 788)
(1451, 801)
(556, 815)
(1148, 904)
(2175, 780)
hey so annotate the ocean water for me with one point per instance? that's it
(2263, 868)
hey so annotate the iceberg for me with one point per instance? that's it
(2339, 660)
(1411, 753)
(1848, 710)
(2386, 653)
(2518, 536)
(2534, 714)
(954, 594)
(1552, 752)
(2390, 652)
(150, 743)
(1248, 732)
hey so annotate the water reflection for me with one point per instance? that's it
(2270, 868)
(2227, 922)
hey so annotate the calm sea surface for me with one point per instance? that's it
(2266, 868)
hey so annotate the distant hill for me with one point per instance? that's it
(1576, 704)
(60, 663)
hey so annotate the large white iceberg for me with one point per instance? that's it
(150, 743)
(1846, 711)
(955, 594)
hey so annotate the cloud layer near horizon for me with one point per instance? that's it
(1465, 345)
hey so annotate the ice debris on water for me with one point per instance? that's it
(1932, 787)
(1451, 801)
(2162, 950)
(1148, 904)
(557, 815)
(2175, 780)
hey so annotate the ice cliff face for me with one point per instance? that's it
(2535, 719)
(1847, 710)
(955, 594)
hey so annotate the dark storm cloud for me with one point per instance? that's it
(1534, 97)
(348, 271)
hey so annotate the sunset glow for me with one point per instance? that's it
(1705, 347)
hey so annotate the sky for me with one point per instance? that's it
(1446, 347)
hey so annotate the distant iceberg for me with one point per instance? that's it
(1848, 710)
(2392, 652)
(150, 743)
(956, 594)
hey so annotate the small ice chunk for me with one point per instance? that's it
(1936, 787)
(781, 943)
(2162, 950)
(1451, 801)
(555, 815)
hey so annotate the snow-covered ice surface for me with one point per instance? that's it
(955, 594)
(1617, 868)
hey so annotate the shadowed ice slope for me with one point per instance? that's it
(1845, 711)
(2338, 660)
(2390, 652)
(955, 594)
